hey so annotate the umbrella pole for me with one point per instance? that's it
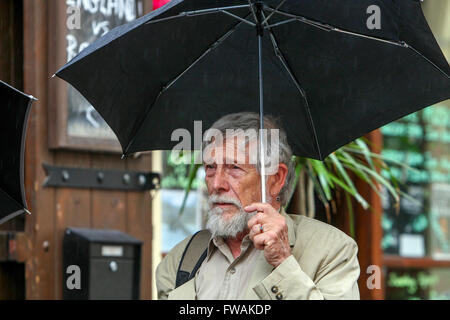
(261, 125)
(262, 151)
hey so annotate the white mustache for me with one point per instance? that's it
(213, 199)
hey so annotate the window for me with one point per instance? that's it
(176, 227)
(416, 236)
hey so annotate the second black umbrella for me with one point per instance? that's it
(15, 108)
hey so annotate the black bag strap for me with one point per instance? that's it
(193, 256)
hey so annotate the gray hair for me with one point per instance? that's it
(251, 121)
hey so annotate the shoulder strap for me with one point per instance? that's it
(193, 256)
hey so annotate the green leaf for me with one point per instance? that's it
(351, 217)
(381, 157)
(324, 179)
(341, 170)
(353, 165)
(366, 152)
(350, 190)
(379, 178)
(317, 186)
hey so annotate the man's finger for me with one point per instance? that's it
(254, 230)
(259, 240)
(257, 206)
(260, 218)
(260, 207)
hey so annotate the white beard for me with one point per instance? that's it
(226, 228)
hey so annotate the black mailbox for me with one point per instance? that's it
(106, 262)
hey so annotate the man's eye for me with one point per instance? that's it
(209, 166)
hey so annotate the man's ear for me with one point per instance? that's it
(277, 181)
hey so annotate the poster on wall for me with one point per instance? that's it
(75, 124)
(97, 19)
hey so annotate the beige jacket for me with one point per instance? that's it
(323, 265)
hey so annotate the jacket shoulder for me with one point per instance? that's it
(308, 229)
(320, 247)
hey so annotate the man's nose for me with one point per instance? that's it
(220, 183)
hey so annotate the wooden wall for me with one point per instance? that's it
(39, 239)
(11, 71)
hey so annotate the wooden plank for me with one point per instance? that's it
(39, 227)
(368, 231)
(139, 224)
(11, 45)
(109, 208)
(73, 209)
(11, 60)
(55, 209)
(394, 261)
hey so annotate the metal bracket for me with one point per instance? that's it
(104, 179)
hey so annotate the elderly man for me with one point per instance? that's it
(254, 250)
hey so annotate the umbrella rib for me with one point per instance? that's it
(429, 61)
(198, 13)
(169, 84)
(252, 10)
(273, 12)
(214, 45)
(328, 28)
(239, 18)
(280, 56)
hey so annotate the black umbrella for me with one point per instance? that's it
(15, 108)
(319, 65)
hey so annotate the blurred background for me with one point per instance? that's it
(409, 241)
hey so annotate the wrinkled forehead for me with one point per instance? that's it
(234, 148)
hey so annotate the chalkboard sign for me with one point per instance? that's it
(421, 226)
(74, 123)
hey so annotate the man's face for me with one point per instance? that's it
(229, 177)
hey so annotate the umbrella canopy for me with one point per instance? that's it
(324, 72)
(15, 108)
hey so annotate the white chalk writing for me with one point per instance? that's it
(122, 9)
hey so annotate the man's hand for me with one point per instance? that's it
(273, 237)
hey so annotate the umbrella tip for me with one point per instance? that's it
(53, 75)
(26, 211)
(124, 156)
